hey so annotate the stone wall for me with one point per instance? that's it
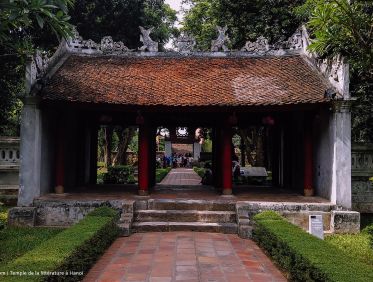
(362, 170)
(9, 169)
(9, 161)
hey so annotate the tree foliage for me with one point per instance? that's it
(121, 20)
(245, 19)
(340, 27)
(24, 26)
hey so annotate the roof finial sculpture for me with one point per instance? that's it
(109, 46)
(219, 43)
(259, 47)
(148, 43)
(185, 43)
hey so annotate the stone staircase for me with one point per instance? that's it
(9, 194)
(185, 215)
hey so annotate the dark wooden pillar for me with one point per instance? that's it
(217, 171)
(60, 158)
(153, 156)
(226, 159)
(308, 157)
(144, 161)
(93, 158)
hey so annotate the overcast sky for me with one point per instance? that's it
(176, 5)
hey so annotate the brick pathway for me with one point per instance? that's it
(181, 176)
(184, 256)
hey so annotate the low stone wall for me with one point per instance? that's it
(362, 170)
(67, 212)
(335, 219)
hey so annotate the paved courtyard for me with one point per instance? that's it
(181, 176)
(184, 256)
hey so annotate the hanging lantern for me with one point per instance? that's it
(268, 120)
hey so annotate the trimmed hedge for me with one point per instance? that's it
(120, 174)
(161, 173)
(199, 170)
(303, 256)
(70, 254)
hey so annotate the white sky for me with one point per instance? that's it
(177, 6)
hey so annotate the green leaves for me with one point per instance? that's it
(26, 15)
(246, 20)
(338, 27)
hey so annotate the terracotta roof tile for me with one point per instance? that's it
(191, 81)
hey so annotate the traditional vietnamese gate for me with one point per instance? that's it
(85, 85)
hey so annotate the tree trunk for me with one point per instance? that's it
(125, 136)
(108, 137)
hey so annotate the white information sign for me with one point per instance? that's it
(316, 227)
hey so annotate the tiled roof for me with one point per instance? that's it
(186, 81)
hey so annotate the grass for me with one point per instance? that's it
(357, 245)
(16, 241)
(74, 249)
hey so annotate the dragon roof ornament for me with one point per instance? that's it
(148, 43)
(106, 46)
(185, 43)
(219, 43)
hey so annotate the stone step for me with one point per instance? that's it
(200, 205)
(185, 216)
(228, 228)
(9, 190)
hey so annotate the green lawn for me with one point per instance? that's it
(355, 245)
(15, 241)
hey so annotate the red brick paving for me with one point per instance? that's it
(181, 176)
(184, 256)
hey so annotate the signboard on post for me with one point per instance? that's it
(315, 226)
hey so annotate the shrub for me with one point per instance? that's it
(303, 256)
(104, 211)
(199, 170)
(161, 173)
(73, 250)
(3, 215)
(101, 164)
(118, 174)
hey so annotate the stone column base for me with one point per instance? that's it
(143, 192)
(309, 192)
(227, 191)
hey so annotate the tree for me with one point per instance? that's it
(341, 27)
(245, 19)
(25, 26)
(121, 20)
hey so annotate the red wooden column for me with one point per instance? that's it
(226, 159)
(308, 158)
(144, 161)
(60, 159)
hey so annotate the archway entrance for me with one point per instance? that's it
(186, 156)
